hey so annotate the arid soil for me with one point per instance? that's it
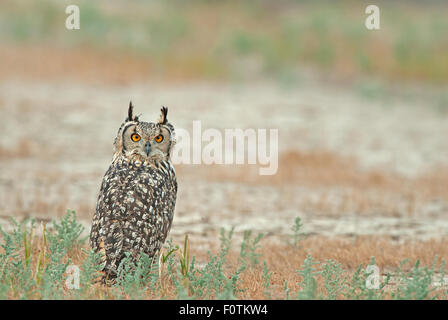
(348, 165)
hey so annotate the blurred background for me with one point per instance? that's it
(362, 114)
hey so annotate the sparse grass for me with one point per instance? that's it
(35, 267)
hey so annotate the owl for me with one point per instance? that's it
(135, 205)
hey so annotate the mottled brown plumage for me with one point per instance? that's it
(136, 202)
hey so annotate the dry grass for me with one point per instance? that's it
(350, 253)
(82, 64)
(284, 260)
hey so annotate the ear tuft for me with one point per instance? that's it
(163, 115)
(131, 116)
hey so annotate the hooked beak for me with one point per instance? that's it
(147, 148)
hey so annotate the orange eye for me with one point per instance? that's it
(159, 138)
(135, 137)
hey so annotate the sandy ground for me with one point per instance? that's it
(348, 165)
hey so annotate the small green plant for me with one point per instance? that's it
(166, 259)
(297, 235)
(184, 261)
(52, 279)
(225, 242)
(249, 246)
(134, 275)
(442, 282)
(415, 284)
(286, 290)
(28, 238)
(267, 280)
(16, 274)
(68, 231)
(334, 281)
(91, 268)
(41, 261)
(358, 288)
(185, 258)
(308, 285)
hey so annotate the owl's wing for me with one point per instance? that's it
(107, 235)
(111, 245)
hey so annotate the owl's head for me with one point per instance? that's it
(139, 140)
